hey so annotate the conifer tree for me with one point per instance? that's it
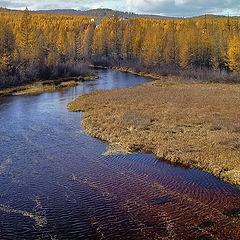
(234, 54)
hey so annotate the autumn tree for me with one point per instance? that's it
(151, 49)
(86, 50)
(138, 38)
(25, 35)
(127, 48)
(233, 54)
(6, 47)
(100, 44)
(170, 45)
(61, 43)
(29, 42)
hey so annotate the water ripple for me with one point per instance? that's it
(59, 183)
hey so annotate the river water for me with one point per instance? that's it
(56, 182)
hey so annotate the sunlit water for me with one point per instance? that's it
(56, 182)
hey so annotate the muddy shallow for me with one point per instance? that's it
(57, 183)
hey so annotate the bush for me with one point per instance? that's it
(37, 71)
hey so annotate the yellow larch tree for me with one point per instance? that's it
(233, 54)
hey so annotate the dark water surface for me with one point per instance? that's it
(57, 183)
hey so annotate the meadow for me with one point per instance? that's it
(183, 122)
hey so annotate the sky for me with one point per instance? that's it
(180, 8)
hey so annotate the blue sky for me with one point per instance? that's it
(181, 8)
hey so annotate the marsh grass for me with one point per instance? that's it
(181, 121)
(46, 86)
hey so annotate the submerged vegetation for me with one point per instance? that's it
(189, 123)
(45, 46)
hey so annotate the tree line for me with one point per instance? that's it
(41, 46)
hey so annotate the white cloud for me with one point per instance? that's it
(57, 4)
(184, 7)
(162, 7)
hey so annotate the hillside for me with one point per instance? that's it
(101, 12)
(105, 12)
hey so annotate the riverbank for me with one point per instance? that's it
(46, 86)
(199, 75)
(130, 70)
(188, 123)
(142, 74)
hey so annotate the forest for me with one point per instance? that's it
(37, 46)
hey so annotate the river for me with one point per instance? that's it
(59, 183)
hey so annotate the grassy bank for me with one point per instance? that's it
(139, 73)
(46, 86)
(189, 123)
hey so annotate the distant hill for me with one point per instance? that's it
(209, 17)
(101, 12)
(105, 12)
(214, 17)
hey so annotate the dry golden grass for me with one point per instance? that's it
(194, 124)
(46, 86)
(68, 84)
(42, 86)
(143, 74)
(34, 88)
